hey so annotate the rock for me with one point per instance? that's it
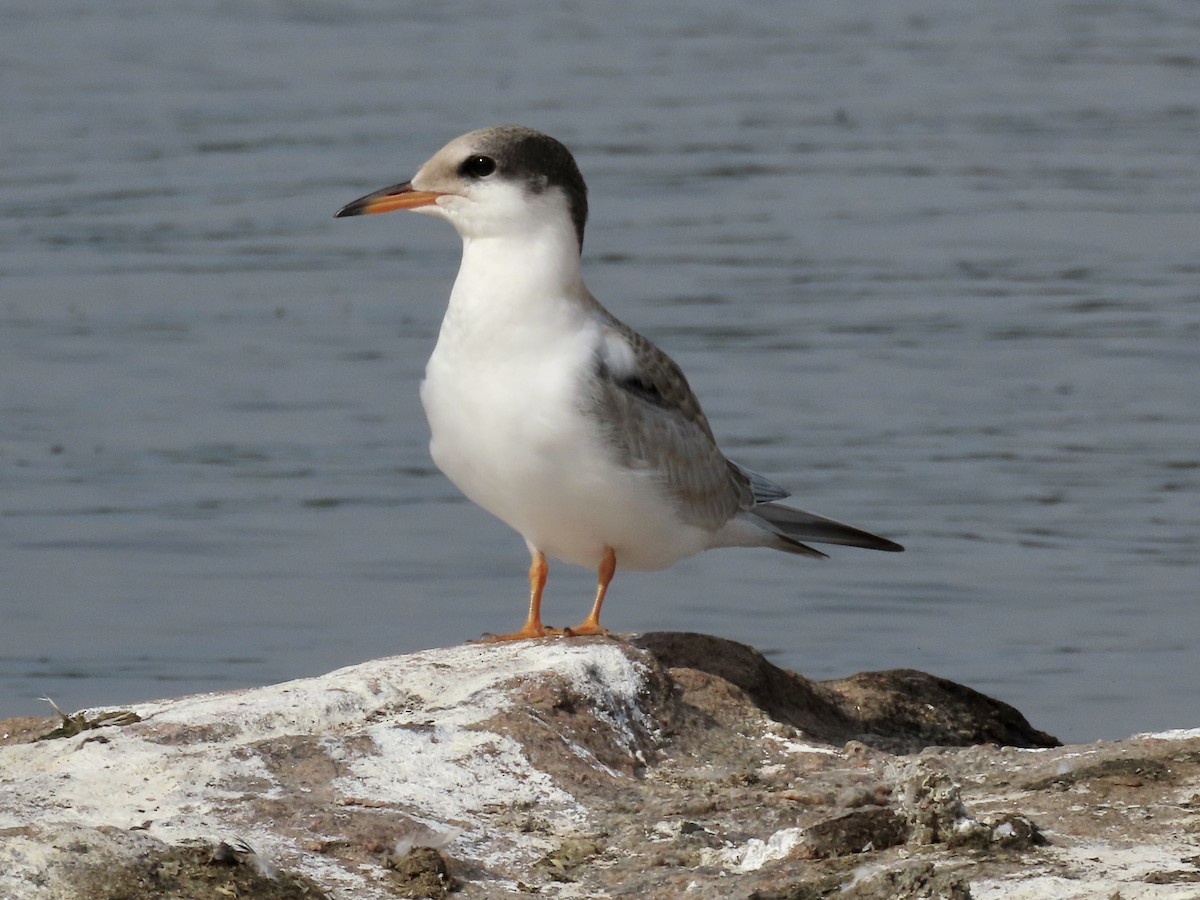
(901, 710)
(669, 765)
(859, 831)
(905, 710)
(105, 863)
(919, 879)
(421, 872)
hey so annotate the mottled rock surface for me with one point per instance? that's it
(666, 765)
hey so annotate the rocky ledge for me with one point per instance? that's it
(665, 765)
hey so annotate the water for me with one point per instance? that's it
(933, 266)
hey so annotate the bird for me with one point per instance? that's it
(552, 414)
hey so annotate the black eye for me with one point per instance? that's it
(478, 166)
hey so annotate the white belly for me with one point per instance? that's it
(512, 433)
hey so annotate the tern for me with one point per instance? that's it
(552, 414)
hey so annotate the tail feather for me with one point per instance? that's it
(791, 545)
(797, 525)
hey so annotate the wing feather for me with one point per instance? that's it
(654, 422)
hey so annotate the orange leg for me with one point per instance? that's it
(533, 627)
(591, 625)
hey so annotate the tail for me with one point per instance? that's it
(794, 526)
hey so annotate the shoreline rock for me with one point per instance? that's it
(665, 765)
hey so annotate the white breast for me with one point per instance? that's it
(505, 393)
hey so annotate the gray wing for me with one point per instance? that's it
(653, 422)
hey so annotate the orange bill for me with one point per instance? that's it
(398, 196)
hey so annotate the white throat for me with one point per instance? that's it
(508, 285)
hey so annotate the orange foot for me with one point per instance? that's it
(525, 634)
(591, 625)
(533, 627)
(585, 629)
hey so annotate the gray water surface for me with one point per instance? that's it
(933, 266)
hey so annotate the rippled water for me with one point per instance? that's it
(933, 266)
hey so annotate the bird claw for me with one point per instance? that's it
(525, 634)
(585, 630)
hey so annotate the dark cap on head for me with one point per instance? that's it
(541, 162)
